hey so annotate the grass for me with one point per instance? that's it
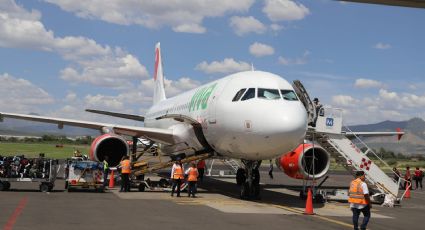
(34, 149)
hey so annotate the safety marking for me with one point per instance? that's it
(365, 164)
(12, 219)
(315, 215)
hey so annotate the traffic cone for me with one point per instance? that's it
(407, 195)
(309, 203)
(112, 179)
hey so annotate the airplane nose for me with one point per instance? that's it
(288, 128)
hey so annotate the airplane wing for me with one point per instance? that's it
(406, 3)
(160, 135)
(120, 115)
(397, 133)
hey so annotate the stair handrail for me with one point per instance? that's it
(400, 178)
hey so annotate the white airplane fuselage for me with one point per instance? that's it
(256, 128)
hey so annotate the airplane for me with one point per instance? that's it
(250, 115)
(405, 3)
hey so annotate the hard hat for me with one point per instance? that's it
(316, 99)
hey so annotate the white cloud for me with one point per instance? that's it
(245, 25)
(228, 65)
(382, 46)
(276, 27)
(345, 101)
(284, 10)
(181, 15)
(367, 83)
(91, 62)
(20, 95)
(172, 88)
(295, 61)
(259, 49)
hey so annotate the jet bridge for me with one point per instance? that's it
(328, 133)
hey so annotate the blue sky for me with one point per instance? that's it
(59, 57)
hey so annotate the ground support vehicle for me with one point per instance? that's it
(84, 175)
(46, 178)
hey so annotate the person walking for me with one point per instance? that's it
(418, 176)
(407, 178)
(192, 178)
(177, 176)
(125, 174)
(201, 169)
(105, 171)
(359, 200)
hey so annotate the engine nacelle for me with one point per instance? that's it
(298, 164)
(111, 145)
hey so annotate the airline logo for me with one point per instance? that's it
(329, 122)
(200, 98)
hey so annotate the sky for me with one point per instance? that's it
(60, 57)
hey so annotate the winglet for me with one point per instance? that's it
(400, 133)
(158, 77)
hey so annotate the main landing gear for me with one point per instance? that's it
(249, 180)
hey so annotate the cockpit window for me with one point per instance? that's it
(269, 94)
(288, 95)
(250, 93)
(238, 95)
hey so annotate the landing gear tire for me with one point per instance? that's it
(2, 186)
(244, 193)
(44, 188)
(142, 187)
(240, 176)
(249, 180)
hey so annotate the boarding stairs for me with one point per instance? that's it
(328, 134)
(232, 163)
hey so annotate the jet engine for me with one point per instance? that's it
(306, 162)
(111, 145)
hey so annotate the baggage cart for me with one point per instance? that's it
(46, 176)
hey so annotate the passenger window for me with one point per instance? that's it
(288, 95)
(238, 95)
(269, 94)
(250, 93)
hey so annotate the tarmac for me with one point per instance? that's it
(217, 206)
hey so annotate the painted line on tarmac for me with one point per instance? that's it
(315, 215)
(12, 219)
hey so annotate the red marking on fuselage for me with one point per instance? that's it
(156, 64)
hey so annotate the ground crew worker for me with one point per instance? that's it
(192, 178)
(407, 178)
(359, 200)
(105, 171)
(419, 175)
(201, 169)
(125, 174)
(177, 175)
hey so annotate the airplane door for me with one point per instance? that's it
(212, 105)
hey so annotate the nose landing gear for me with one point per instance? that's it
(249, 180)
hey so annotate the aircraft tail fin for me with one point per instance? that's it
(158, 77)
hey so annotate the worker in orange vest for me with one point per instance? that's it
(177, 175)
(192, 178)
(359, 200)
(125, 174)
(201, 169)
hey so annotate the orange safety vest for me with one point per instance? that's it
(193, 174)
(178, 172)
(355, 194)
(125, 167)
